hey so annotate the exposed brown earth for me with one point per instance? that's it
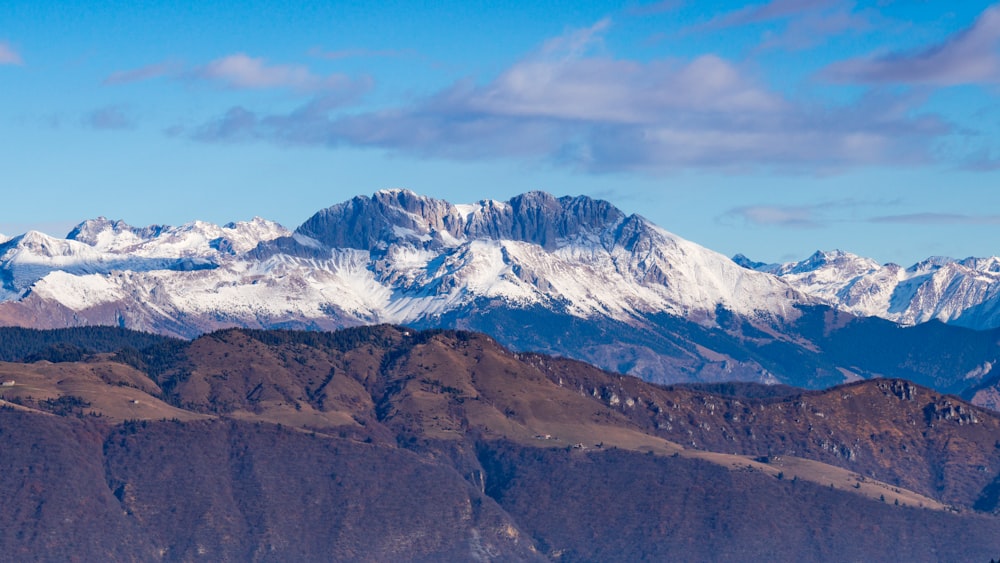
(383, 443)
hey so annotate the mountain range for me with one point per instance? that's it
(570, 276)
(961, 292)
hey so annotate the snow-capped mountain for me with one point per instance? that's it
(394, 257)
(962, 292)
(571, 276)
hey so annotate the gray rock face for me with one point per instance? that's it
(373, 223)
(542, 219)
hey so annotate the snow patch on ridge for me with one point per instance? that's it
(78, 292)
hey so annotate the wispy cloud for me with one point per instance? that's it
(769, 11)
(8, 56)
(816, 28)
(805, 216)
(938, 219)
(149, 72)
(308, 124)
(981, 161)
(795, 24)
(240, 71)
(572, 104)
(967, 57)
(799, 216)
(112, 118)
(360, 53)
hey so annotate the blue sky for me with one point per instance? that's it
(773, 129)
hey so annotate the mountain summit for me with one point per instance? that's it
(400, 216)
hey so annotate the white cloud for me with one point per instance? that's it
(603, 89)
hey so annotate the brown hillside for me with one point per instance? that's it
(382, 443)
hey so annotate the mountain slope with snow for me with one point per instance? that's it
(962, 292)
(397, 257)
(571, 276)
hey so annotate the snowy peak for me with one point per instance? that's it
(38, 245)
(575, 254)
(197, 238)
(105, 234)
(832, 261)
(102, 247)
(989, 265)
(965, 292)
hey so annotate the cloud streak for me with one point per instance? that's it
(770, 11)
(109, 118)
(240, 71)
(938, 219)
(794, 24)
(360, 53)
(969, 56)
(808, 216)
(797, 216)
(8, 56)
(148, 72)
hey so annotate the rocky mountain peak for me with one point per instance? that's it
(87, 231)
(106, 233)
(391, 216)
(370, 223)
(986, 265)
(931, 264)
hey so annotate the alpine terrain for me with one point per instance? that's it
(962, 292)
(571, 276)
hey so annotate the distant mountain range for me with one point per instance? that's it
(961, 292)
(571, 276)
